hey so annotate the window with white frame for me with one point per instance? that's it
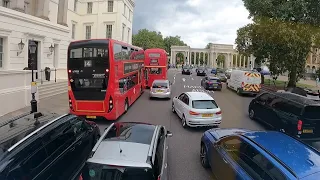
(73, 31)
(1, 52)
(110, 6)
(123, 28)
(6, 3)
(88, 32)
(89, 8)
(75, 5)
(128, 35)
(109, 31)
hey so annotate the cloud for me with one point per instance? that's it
(198, 22)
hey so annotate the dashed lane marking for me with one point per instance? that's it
(183, 79)
(192, 87)
(202, 90)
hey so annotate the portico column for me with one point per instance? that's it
(171, 57)
(63, 12)
(236, 63)
(17, 5)
(43, 9)
(194, 58)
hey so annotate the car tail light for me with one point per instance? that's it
(242, 84)
(110, 104)
(159, 178)
(80, 177)
(299, 125)
(219, 112)
(193, 113)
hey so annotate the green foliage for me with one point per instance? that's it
(283, 32)
(152, 39)
(208, 45)
(220, 59)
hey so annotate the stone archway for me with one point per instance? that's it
(314, 69)
(308, 69)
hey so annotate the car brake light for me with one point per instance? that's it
(219, 112)
(69, 71)
(193, 113)
(70, 103)
(159, 178)
(299, 125)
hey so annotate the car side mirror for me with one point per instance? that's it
(169, 134)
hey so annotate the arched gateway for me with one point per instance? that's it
(232, 58)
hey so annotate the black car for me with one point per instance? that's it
(311, 94)
(186, 70)
(222, 77)
(213, 83)
(291, 113)
(201, 71)
(45, 146)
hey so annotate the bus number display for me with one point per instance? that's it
(131, 67)
(154, 62)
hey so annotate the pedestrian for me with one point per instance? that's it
(317, 81)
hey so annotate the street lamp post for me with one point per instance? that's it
(33, 102)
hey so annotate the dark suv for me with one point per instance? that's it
(201, 71)
(291, 113)
(45, 146)
(186, 70)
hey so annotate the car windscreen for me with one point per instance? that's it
(93, 171)
(160, 85)
(312, 112)
(204, 104)
(214, 80)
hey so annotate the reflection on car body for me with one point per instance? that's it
(244, 155)
(46, 147)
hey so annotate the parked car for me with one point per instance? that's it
(197, 109)
(201, 71)
(129, 150)
(186, 70)
(291, 113)
(213, 71)
(160, 89)
(45, 146)
(222, 77)
(210, 82)
(251, 155)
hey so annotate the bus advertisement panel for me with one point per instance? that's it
(155, 65)
(104, 77)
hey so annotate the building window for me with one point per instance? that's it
(108, 31)
(123, 28)
(124, 9)
(73, 31)
(1, 52)
(129, 18)
(89, 8)
(128, 36)
(6, 3)
(88, 32)
(75, 5)
(110, 6)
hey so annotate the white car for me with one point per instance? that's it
(197, 109)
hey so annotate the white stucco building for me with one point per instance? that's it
(50, 25)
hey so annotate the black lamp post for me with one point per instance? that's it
(33, 102)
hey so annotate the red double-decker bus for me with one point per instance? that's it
(156, 64)
(105, 77)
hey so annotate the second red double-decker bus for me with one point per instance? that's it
(105, 77)
(155, 65)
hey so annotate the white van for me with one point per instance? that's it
(245, 82)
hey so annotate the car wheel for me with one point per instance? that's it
(251, 114)
(203, 156)
(173, 108)
(184, 122)
(126, 106)
(238, 91)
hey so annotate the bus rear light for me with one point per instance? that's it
(110, 104)
(107, 70)
(69, 71)
(70, 103)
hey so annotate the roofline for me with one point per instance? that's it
(36, 132)
(270, 154)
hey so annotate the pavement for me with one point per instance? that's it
(184, 146)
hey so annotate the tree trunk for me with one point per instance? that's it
(262, 79)
(292, 79)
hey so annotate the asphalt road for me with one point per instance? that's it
(184, 146)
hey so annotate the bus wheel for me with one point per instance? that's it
(141, 91)
(126, 106)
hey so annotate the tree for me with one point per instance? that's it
(208, 45)
(220, 59)
(148, 39)
(283, 32)
(172, 41)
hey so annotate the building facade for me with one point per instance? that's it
(50, 25)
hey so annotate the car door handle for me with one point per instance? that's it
(72, 149)
(225, 160)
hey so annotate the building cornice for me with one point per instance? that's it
(31, 19)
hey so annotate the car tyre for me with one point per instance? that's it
(238, 91)
(184, 122)
(172, 108)
(203, 156)
(251, 114)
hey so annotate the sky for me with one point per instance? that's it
(198, 22)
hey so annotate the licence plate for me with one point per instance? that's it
(207, 115)
(159, 91)
(91, 117)
(307, 131)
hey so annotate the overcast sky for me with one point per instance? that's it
(198, 22)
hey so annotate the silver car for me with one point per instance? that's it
(129, 149)
(160, 89)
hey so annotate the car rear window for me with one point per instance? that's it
(160, 85)
(103, 172)
(312, 112)
(204, 104)
(214, 80)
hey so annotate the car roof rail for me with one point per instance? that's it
(105, 133)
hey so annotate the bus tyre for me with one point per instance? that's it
(126, 106)
(141, 91)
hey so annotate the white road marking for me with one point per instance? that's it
(192, 78)
(183, 79)
(192, 87)
(202, 90)
(174, 77)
